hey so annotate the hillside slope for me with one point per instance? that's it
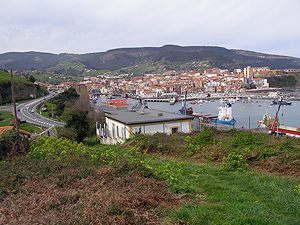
(23, 89)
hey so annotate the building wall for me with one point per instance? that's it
(116, 132)
(163, 127)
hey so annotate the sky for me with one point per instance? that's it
(76, 26)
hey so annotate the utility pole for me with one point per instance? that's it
(15, 110)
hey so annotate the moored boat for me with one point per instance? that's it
(225, 115)
(187, 111)
(275, 127)
(184, 110)
(282, 102)
(172, 101)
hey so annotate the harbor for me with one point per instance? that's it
(245, 111)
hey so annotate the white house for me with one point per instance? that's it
(123, 124)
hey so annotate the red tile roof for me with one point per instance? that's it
(3, 129)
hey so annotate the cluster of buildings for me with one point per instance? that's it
(213, 80)
(127, 121)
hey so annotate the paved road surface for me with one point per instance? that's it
(26, 112)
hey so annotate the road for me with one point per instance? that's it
(26, 112)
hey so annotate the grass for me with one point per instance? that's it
(30, 128)
(235, 198)
(159, 179)
(4, 77)
(6, 117)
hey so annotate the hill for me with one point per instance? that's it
(160, 58)
(23, 89)
(207, 177)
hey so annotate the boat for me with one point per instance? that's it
(172, 101)
(267, 121)
(184, 110)
(276, 128)
(193, 102)
(225, 115)
(110, 97)
(94, 99)
(283, 102)
(187, 111)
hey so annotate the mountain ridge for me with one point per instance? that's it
(118, 58)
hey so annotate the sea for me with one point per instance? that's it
(245, 112)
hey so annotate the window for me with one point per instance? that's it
(174, 130)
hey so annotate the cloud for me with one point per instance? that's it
(90, 26)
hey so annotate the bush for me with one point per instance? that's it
(42, 148)
(68, 133)
(9, 145)
(244, 139)
(234, 162)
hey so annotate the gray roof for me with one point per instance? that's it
(132, 117)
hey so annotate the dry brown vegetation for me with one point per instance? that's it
(54, 192)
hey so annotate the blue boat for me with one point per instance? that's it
(225, 115)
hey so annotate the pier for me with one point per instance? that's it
(156, 99)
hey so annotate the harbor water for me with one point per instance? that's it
(246, 112)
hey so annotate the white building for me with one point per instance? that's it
(123, 124)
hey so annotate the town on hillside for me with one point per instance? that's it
(171, 83)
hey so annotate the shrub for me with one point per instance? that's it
(234, 162)
(244, 139)
(194, 144)
(68, 133)
(297, 190)
(42, 148)
(9, 145)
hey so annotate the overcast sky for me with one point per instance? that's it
(77, 26)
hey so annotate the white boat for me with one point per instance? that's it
(225, 115)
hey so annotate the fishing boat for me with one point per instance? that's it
(276, 128)
(282, 102)
(184, 110)
(225, 115)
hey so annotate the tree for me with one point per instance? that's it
(31, 79)
(82, 117)
(77, 119)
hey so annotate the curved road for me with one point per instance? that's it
(26, 112)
